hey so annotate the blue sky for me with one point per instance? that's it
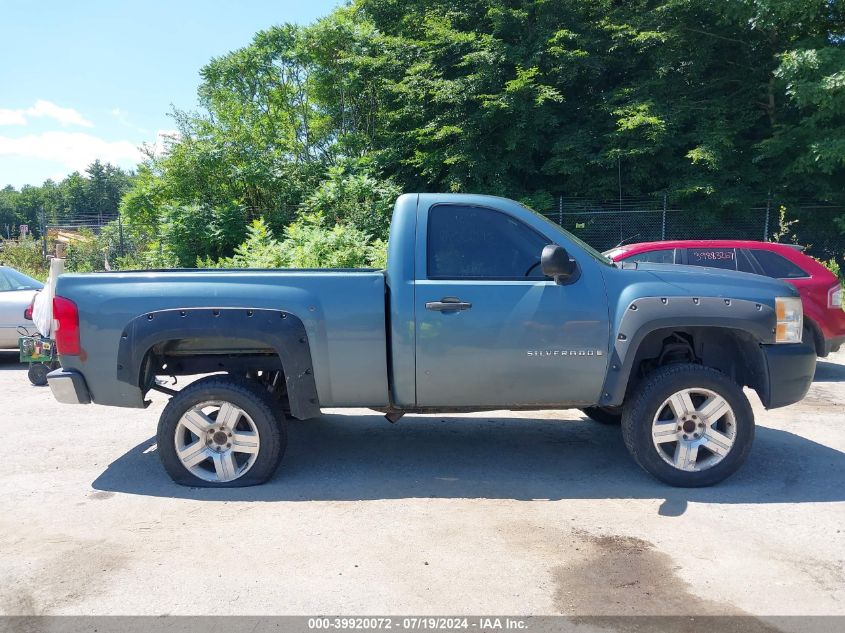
(80, 80)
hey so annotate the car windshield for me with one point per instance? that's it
(19, 281)
(590, 250)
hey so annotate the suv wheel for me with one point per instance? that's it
(688, 425)
(221, 432)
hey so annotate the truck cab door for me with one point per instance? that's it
(491, 329)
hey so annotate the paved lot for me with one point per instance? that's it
(488, 513)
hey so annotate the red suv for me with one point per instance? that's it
(824, 318)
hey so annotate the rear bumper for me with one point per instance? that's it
(789, 372)
(68, 386)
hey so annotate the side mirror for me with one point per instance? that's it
(555, 263)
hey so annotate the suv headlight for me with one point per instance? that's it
(790, 319)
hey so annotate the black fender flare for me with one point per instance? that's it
(277, 329)
(649, 314)
(818, 336)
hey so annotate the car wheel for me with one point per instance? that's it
(688, 425)
(221, 432)
(603, 415)
(37, 374)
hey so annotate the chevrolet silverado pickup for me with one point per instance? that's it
(484, 305)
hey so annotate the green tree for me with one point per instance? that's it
(359, 199)
(718, 104)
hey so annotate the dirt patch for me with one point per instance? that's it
(621, 576)
(75, 570)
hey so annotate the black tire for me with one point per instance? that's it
(37, 374)
(809, 336)
(244, 394)
(603, 415)
(647, 402)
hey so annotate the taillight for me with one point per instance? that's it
(27, 314)
(66, 326)
(834, 297)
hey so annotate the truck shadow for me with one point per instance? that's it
(362, 457)
(829, 372)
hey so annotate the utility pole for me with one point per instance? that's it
(120, 232)
(768, 209)
(663, 227)
(43, 233)
(619, 179)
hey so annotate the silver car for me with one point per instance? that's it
(16, 293)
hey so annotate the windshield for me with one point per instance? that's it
(19, 281)
(590, 250)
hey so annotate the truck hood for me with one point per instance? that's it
(719, 283)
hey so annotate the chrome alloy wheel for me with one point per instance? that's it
(694, 429)
(217, 441)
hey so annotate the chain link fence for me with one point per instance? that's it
(605, 224)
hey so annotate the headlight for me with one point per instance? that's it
(790, 319)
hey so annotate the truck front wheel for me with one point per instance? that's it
(221, 432)
(688, 425)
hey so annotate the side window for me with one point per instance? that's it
(712, 257)
(743, 262)
(777, 266)
(473, 242)
(5, 284)
(664, 256)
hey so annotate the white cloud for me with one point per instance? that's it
(43, 109)
(75, 150)
(12, 117)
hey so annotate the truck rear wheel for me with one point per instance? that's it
(221, 432)
(688, 425)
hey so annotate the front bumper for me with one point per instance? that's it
(789, 373)
(68, 386)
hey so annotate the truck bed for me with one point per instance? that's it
(343, 311)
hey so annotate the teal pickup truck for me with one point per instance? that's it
(484, 305)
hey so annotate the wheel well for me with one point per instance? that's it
(735, 353)
(207, 355)
(193, 341)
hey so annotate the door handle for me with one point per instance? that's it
(448, 304)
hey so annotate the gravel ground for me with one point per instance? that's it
(521, 513)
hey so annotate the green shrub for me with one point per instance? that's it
(259, 250)
(377, 254)
(189, 232)
(357, 199)
(26, 256)
(86, 254)
(308, 243)
(833, 266)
